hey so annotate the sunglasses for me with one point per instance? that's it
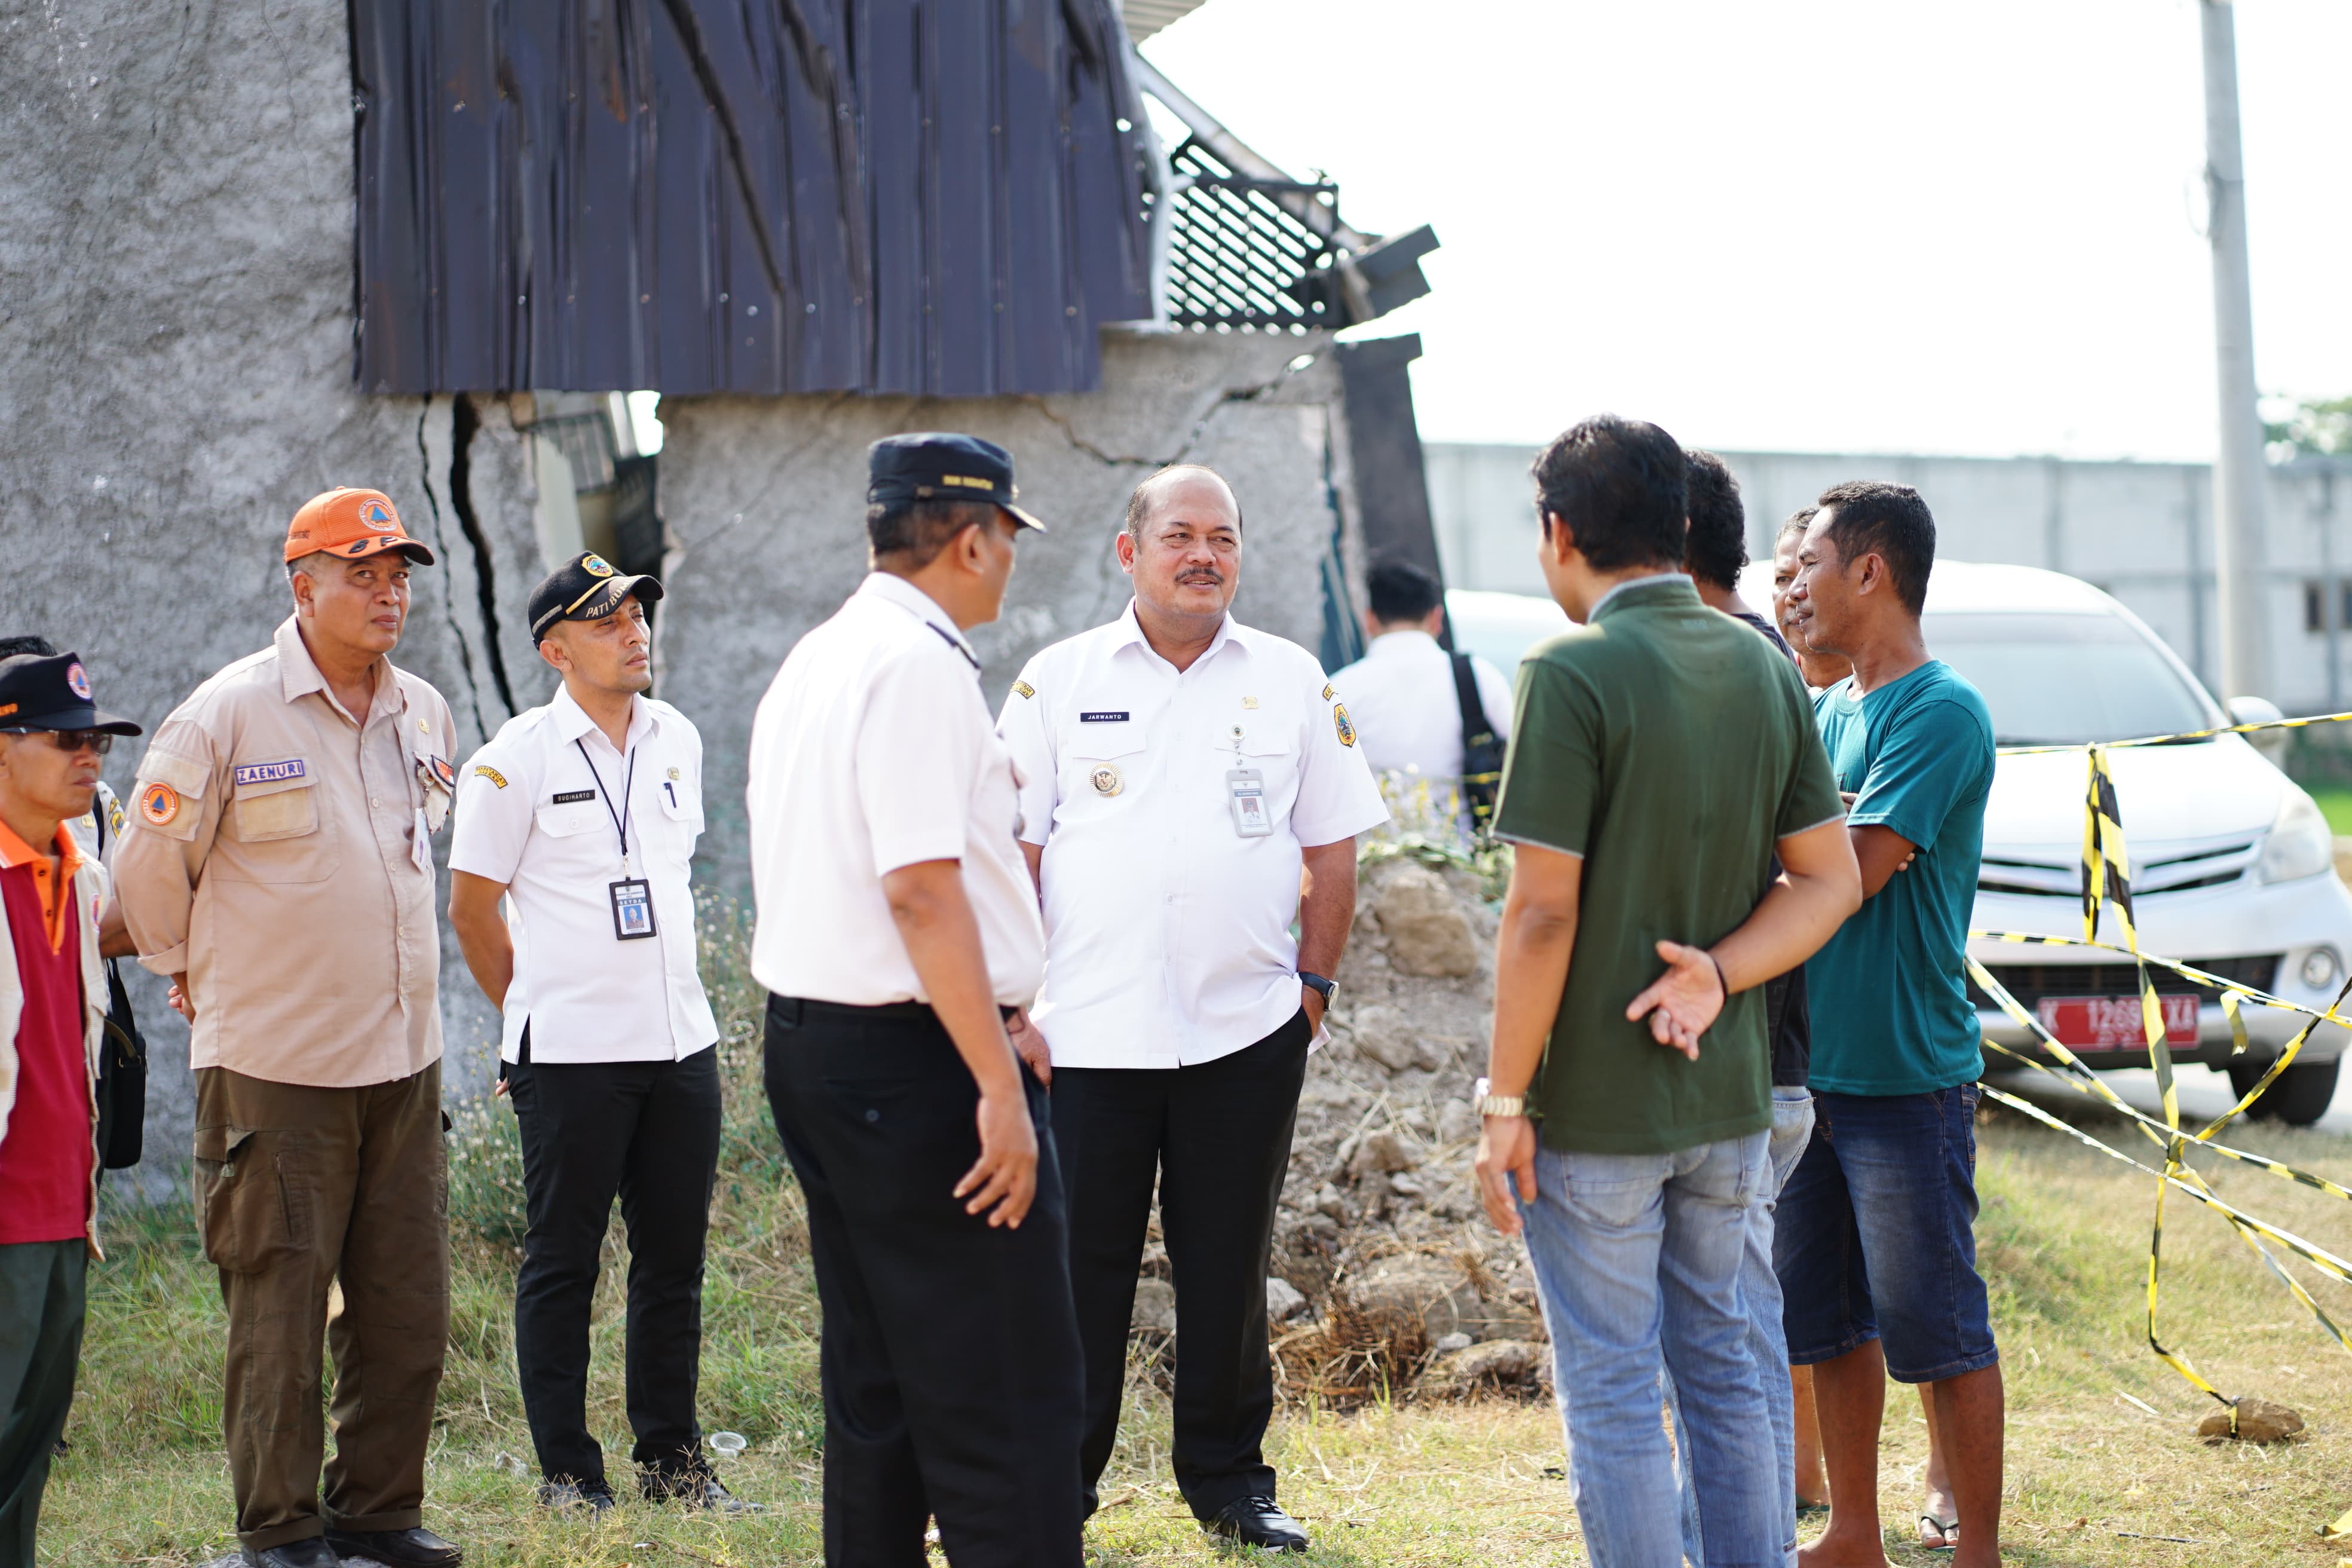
(99, 740)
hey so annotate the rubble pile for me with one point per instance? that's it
(1388, 1277)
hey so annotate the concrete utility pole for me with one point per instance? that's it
(2239, 467)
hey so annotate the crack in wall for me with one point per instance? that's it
(448, 592)
(464, 423)
(1226, 396)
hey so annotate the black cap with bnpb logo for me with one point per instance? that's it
(52, 693)
(939, 465)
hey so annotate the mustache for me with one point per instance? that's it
(1201, 575)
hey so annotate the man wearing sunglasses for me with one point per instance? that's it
(278, 869)
(53, 998)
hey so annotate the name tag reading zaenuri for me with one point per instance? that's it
(1246, 789)
(633, 908)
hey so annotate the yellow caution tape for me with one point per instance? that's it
(2106, 884)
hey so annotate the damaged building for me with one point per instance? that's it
(248, 251)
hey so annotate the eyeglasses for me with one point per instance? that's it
(99, 740)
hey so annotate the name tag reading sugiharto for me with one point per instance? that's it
(633, 908)
(1246, 787)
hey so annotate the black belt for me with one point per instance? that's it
(796, 1009)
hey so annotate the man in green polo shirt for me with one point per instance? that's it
(1660, 753)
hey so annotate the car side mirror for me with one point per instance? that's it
(2270, 743)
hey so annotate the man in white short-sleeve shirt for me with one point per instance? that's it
(1406, 695)
(1180, 770)
(579, 819)
(898, 938)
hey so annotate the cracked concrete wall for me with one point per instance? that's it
(175, 351)
(766, 499)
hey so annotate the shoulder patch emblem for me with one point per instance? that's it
(1024, 687)
(1341, 723)
(1328, 690)
(484, 771)
(159, 804)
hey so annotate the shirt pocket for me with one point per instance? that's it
(681, 803)
(1100, 759)
(264, 810)
(571, 819)
(284, 832)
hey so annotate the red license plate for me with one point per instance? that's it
(2109, 1023)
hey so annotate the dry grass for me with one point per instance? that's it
(2094, 1479)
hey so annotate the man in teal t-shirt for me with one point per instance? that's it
(1875, 1247)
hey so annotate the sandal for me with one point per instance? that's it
(1947, 1532)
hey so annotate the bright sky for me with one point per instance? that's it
(1820, 225)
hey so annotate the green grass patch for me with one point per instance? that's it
(2093, 1477)
(2335, 801)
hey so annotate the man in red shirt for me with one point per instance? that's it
(52, 1000)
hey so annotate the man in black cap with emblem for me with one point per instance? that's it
(53, 999)
(581, 817)
(898, 934)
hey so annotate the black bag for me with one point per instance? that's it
(121, 1081)
(1482, 754)
(122, 1052)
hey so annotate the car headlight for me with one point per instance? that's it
(2319, 968)
(2299, 844)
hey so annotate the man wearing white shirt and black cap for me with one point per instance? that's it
(899, 937)
(582, 816)
(1179, 771)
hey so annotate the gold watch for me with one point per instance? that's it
(1498, 1104)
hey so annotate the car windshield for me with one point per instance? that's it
(2062, 679)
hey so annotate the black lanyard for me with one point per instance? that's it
(621, 817)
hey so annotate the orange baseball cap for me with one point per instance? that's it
(352, 523)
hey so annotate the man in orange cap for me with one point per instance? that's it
(278, 869)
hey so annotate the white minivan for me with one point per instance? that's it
(2232, 866)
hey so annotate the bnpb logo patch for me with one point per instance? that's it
(373, 511)
(159, 804)
(77, 680)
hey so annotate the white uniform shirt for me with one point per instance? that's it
(534, 815)
(1167, 932)
(1401, 695)
(872, 751)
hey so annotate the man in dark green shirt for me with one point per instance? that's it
(1660, 753)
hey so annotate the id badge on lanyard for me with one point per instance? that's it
(633, 908)
(1245, 791)
(633, 896)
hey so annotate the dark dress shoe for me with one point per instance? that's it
(396, 1548)
(695, 1489)
(1256, 1522)
(593, 1495)
(312, 1552)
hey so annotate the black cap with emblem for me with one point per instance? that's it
(939, 465)
(585, 588)
(52, 693)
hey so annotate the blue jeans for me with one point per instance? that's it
(1760, 1296)
(1637, 1260)
(1876, 1239)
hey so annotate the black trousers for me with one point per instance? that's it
(649, 1132)
(950, 1353)
(1217, 1136)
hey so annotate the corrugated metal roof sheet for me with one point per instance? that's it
(937, 197)
(1145, 18)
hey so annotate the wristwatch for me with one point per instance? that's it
(1327, 989)
(1496, 1104)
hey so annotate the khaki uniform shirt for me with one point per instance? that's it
(279, 854)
